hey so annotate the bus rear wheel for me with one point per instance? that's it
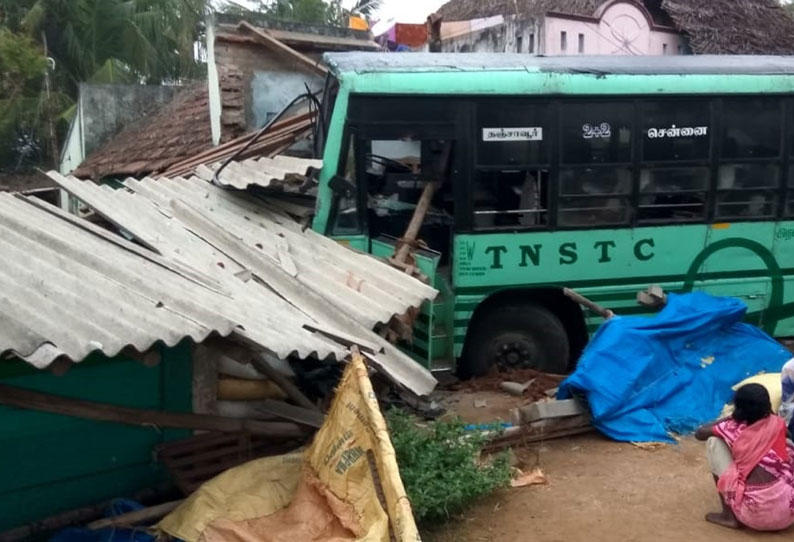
(521, 336)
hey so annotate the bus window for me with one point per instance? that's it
(747, 191)
(594, 196)
(597, 133)
(751, 128)
(673, 194)
(513, 135)
(749, 172)
(398, 171)
(515, 199)
(675, 131)
(346, 219)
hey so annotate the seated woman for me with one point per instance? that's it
(752, 463)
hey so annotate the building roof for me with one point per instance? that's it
(360, 63)
(71, 288)
(299, 35)
(714, 27)
(736, 27)
(178, 130)
(284, 283)
(463, 10)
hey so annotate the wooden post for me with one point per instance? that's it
(598, 309)
(408, 242)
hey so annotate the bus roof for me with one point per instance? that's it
(342, 64)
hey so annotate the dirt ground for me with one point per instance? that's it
(598, 490)
(601, 490)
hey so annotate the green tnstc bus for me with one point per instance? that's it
(602, 174)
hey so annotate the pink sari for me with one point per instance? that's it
(767, 507)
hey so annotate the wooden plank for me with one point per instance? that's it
(299, 415)
(91, 410)
(578, 298)
(130, 519)
(279, 47)
(289, 124)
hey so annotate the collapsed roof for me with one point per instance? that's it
(215, 261)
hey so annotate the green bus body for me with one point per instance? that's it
(746, 256)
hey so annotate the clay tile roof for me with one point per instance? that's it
(176, 131)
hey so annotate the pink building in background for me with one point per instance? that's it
(617, 27)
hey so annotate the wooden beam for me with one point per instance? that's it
(283, 382)
(285, 411)
(91, 410)
(280, 47)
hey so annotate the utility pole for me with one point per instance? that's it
(48, 108)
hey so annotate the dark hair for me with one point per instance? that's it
(751, 403)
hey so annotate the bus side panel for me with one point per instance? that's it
(783, 251)
(753, 261)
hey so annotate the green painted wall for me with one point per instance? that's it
(51, 463)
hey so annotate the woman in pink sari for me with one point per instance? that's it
(752, 463)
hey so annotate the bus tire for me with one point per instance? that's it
(520, 336)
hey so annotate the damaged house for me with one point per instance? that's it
(255, 69)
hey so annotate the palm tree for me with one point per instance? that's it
(137, 41)
(366, 7)
(152, 39)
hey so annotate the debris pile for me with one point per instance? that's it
(536, 385)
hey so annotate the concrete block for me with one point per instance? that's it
(551, 409)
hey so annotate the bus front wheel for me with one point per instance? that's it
(521, 336)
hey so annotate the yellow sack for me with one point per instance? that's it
(345, 487)
(773, 384)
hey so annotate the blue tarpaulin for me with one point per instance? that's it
(645, 378)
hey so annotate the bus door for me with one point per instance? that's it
(397, 162)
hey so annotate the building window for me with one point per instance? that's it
(581, 44)
(519, 44)
(664, 48)
(563, 41)
(531, 43)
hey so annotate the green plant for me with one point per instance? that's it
(440, 465)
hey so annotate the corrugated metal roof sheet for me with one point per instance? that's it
(282, 172)
(282, 279)
(69, 289)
